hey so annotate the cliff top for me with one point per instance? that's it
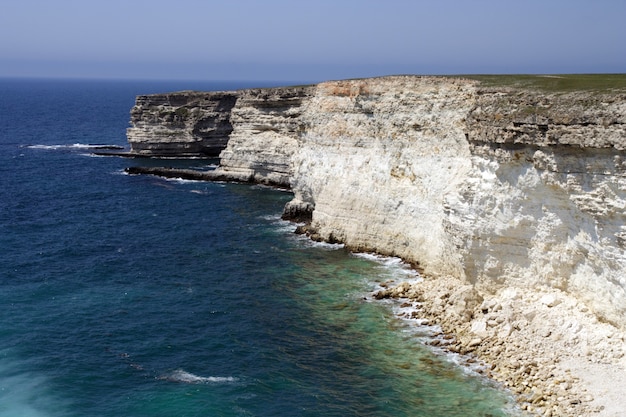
(548, 83)
(557, 83)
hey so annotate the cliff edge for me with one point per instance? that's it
(495, 184)
(510, 198)
(181, 124)
(500, 187)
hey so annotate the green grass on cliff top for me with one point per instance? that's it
(556, 83)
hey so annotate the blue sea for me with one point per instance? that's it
(138, 296)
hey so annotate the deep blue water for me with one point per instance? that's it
(137, 296)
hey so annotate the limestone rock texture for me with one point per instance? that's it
(500, 187)
(510, 200)
(543, 203)
(376, 160)
(181, 124)
(266, 125)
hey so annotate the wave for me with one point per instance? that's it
(177, 180)
(279, 225)
(307, 242)
(201, 192)
(185, 377)
(394, 268)
(23, 393)
(76, 146)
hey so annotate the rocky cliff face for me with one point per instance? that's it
(182, 124)
(376, 153)
(501, 187)
(543, 203)
(498, 186)
(260, 126)
(266, 125)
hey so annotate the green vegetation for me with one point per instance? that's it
(182, 111)
(556, 83)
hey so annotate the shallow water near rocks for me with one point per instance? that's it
(138, 296)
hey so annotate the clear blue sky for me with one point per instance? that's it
(308, 40)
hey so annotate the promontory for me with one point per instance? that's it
(507, 193)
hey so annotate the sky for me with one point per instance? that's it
(308, 40)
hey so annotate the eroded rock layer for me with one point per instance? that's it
(498, 186)
(266, 125)
(181, 124)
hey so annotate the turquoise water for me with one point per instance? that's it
(137, 296)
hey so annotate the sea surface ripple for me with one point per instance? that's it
(138, 296)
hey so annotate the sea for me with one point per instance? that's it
(135, 296)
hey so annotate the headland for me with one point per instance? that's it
(507, 193)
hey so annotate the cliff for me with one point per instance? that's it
(500, 187)
(497, 185)
(543, 203)
(182, 124)
(509, 193)
(266, 126)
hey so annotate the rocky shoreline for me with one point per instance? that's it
(184, 174)
(547, 348)
(509, 197)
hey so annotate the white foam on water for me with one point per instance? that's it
(41, 147)
(279, 225)
(270, 187)
(46, 147)
(288, 228)
(201, 192)
(323, 245)
(182, 181)
(185, 377)
(77, 146)
(93, 155)
(392, 268)
(24, 394)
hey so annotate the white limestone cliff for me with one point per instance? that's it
(510, 200)
(266, 124)
(498, 186)
(467, 182)
(377, 159)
